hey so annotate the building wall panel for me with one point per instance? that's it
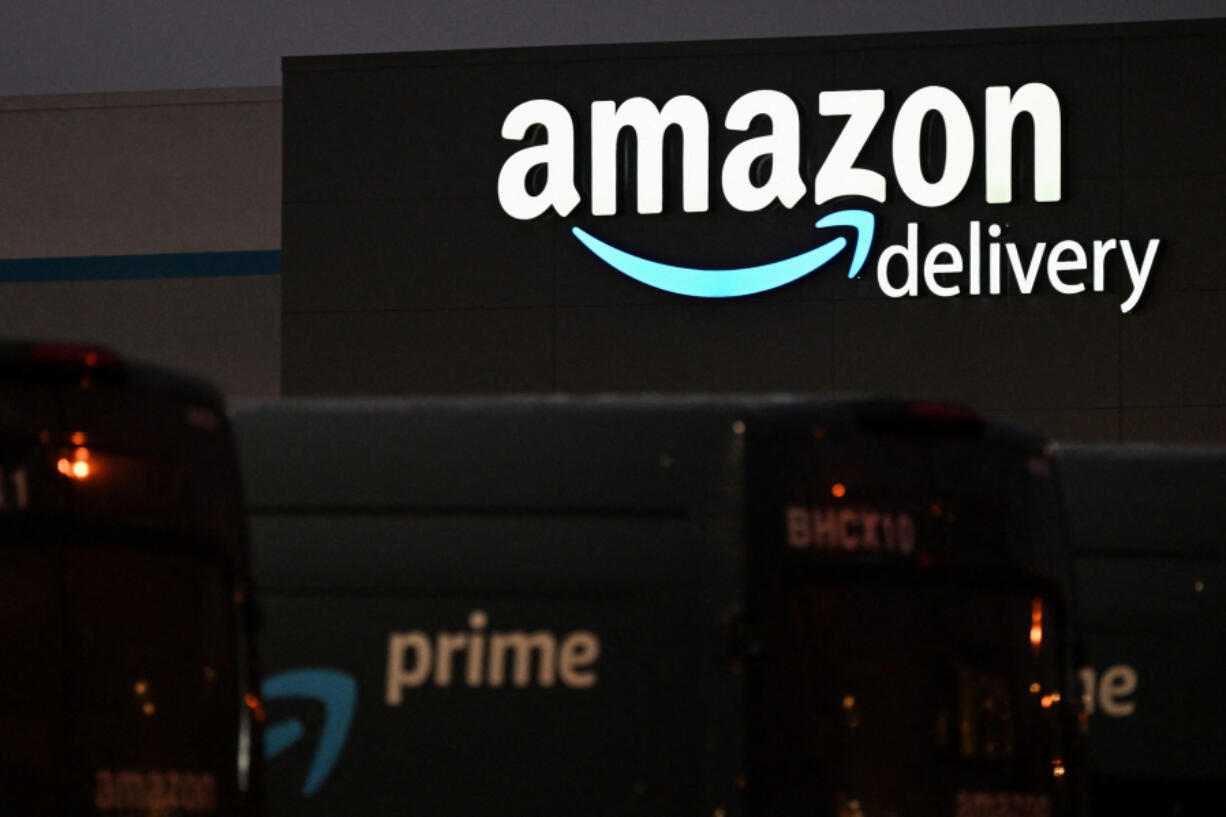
(152, 177)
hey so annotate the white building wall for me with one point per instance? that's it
(145, 174)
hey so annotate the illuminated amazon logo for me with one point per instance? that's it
(338, 693)
(541, 176)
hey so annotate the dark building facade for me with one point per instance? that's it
(1027, 220)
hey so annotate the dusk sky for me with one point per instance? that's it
(69, 46)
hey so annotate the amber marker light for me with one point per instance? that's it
(838, 490)
(76, 466)
(80, 463)
(255, 705)
(1036, 623)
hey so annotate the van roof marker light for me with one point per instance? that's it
(733, 283)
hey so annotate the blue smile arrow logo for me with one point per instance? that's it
(338, 692)
(732, 283)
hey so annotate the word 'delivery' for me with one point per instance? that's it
(994, 266)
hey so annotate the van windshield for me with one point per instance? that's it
(906, 698)
(119, 692)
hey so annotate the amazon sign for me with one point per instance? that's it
(765, 170)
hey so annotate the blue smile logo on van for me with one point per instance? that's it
(338, 692)
(733, 283)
